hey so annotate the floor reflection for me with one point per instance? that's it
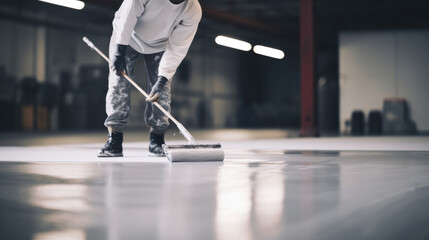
(62, 171)
(233, 203)
(261, 199)
(132, 196)
(312, 189)
(269, 201)
(69, 234)
(62, 197)
(261, 195)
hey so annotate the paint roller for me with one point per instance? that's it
(191, 152)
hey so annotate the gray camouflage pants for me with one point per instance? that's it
(118, 96)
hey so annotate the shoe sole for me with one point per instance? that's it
(110, 155)
(156, 155)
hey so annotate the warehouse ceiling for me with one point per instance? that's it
(276, 20)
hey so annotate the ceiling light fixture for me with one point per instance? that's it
(269, 52)
(75, 4)
(233, 43)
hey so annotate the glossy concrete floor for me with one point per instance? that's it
(326, 188)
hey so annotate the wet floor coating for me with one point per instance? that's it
(254, 194)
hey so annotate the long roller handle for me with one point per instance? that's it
(185, 132)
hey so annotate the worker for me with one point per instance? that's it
(162, 31)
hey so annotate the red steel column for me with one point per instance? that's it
(308, 70)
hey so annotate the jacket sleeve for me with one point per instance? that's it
(179, 42)
(126, 18)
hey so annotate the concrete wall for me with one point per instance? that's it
(18, 49)
(378, 65)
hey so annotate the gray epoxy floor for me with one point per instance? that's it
(265, 189)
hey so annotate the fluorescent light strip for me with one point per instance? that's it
(269, 52)
(75, 4)
(233, 43)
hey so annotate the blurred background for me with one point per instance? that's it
(361, 68)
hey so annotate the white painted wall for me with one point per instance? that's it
(378, 65)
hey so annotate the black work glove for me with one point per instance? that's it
(156, 89)
(118, 61)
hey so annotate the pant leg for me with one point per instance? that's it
(154, 117)
(118, 101)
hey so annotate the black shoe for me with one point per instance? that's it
(155, 145)
(113, 146)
